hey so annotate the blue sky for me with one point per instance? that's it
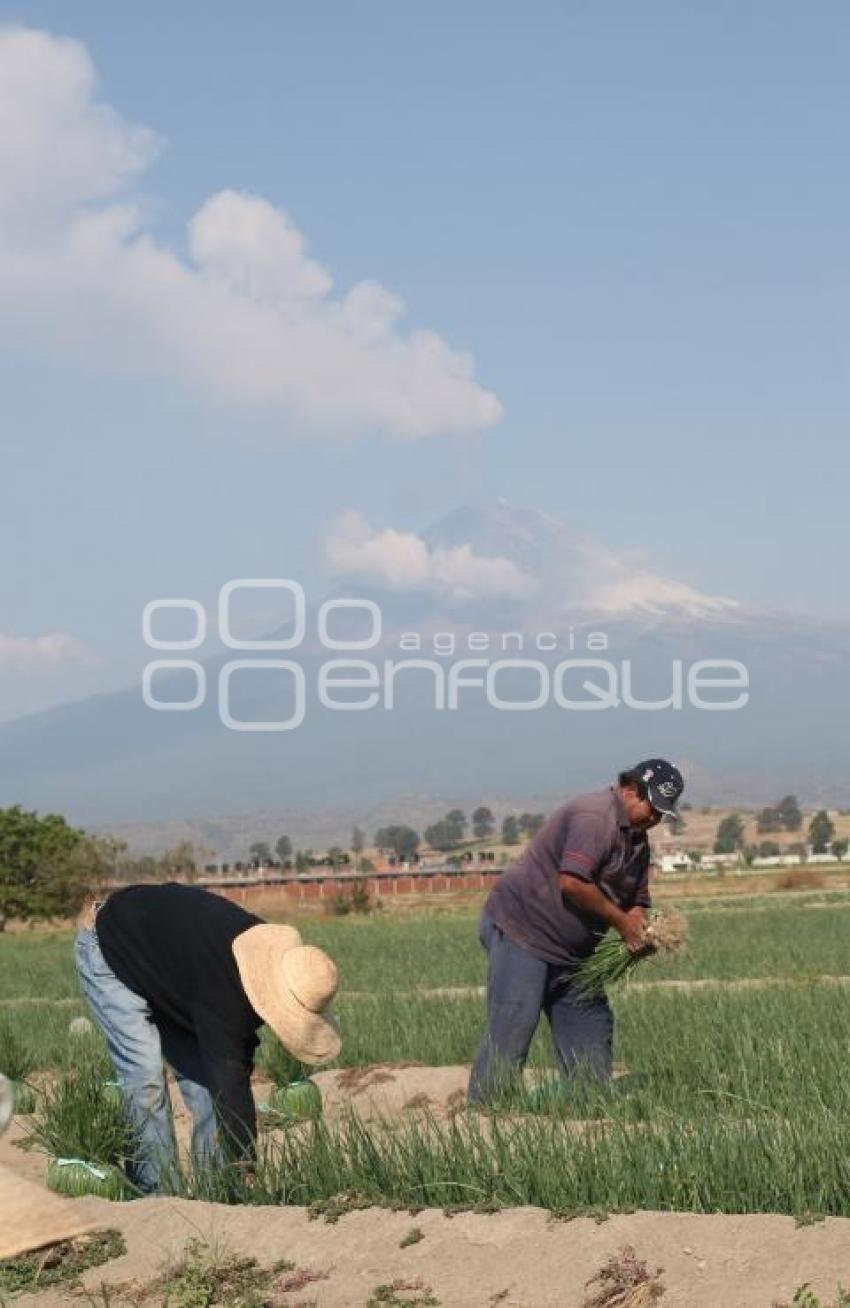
(634, 218)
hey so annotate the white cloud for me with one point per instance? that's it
(401, 560)
(59, 148)
(36, 653)
(247, 317)
(254, 249)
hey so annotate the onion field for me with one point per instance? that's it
(733, 1094)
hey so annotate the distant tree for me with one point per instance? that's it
(403, 841)
(530, 823)
(335, 856)
(750, 854)
(730, 835)
(510, 831)
(146, 868)
(302, 861)
(839, 848)
(283, 848)
(448, 833)
(130, 869)
(769, 849)
(260, 852)
(483, 823)
(821, 832)
(441, 835)
(676, 825)
(179, 860)
(456, 822)
(769, 820)
(790, 813)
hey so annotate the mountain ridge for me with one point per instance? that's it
(110, 758)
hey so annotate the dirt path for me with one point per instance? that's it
(698, 983)
(518, 1259)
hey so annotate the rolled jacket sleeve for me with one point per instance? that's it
(586, 847)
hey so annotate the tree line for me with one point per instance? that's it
(48, 868)
(786, 816)
(448, 833)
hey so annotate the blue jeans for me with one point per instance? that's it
(138, 1046)
(519, 988)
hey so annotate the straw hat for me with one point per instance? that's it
(289, 985)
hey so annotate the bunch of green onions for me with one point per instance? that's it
(666, 932)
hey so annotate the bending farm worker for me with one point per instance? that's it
(175, 974)
(586, 869)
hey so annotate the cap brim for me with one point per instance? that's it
(667, 807)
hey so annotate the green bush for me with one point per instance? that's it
(47, 868)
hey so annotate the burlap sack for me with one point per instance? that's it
(32, 1217)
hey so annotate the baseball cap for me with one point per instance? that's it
(664, 784)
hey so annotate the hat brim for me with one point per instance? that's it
(311, 1037)
(259, 952)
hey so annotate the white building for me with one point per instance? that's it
(676, 861)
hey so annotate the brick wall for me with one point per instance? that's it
(311, 889)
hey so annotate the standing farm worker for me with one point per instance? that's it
(174, 974)
(586, 869)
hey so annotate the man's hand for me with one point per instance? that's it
(589, 898)
(632, 927)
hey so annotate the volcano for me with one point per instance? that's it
(484, 584)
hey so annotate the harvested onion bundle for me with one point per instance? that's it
(75, 1177)
(298, 1099)
(666, 933)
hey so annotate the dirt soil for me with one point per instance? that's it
(519, 1258)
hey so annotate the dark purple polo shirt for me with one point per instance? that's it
(591, 838)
